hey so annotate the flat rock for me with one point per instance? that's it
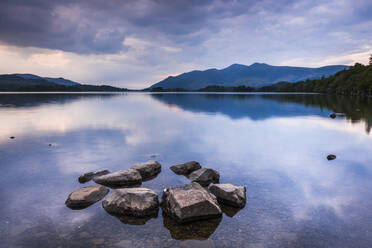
(205, 176)
(190, 202)
(186, 168)
(86, 196)
(121, 178)
(90, 175)
(148, 169)
(229, 194)
(139, 202)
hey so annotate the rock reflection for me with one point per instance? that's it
(229, 211)
(137, 221)
(197, 230)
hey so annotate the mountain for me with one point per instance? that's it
(29, 82)
(255, 75)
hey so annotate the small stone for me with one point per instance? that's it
(229, 194)
(139, 202)
(148, 169)
(190, 202)
(333, 115)
(186, 168)
(331, 157)
(122, 178)
(50, 145)
(90, 175)
(205, 176)
(12, 137)
(86, 196)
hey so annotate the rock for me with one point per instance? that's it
(331, 157)
(86, 196)
(190, 202)
(197, 230)
(205, 176)
(186, 168)
(90, 175)
(139, 202)
(121, 178)
(11, 137)
(332, 115)
(148, 169)
(229, 194)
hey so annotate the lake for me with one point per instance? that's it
(274, 144)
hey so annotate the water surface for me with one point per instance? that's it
(274, 144)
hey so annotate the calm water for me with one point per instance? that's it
(275, 145)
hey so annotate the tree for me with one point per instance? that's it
(370, 60)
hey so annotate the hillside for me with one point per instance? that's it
(357, 80)
(256, 75)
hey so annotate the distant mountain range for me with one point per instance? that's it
(256, 75)
(30, 82)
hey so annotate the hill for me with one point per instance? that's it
(256, 75)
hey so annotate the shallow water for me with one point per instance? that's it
(275, 145)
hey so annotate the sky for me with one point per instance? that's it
(135, 43)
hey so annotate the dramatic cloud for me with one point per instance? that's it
(137, 42)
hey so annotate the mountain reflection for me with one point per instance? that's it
(259, 107)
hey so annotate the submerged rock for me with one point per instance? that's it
(86, 196)
(331, 157)
(197, 230)
(186, 168)
(90, 175)
(148, 169)
(121, 178)
(190, 202)
(205, 176)
(229, 194)
(139, 202)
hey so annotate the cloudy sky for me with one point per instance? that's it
(134, 43)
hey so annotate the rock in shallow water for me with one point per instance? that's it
(229, 194)
(205, 176)
(190, 202)
(148, 169)
(331, 157)
(86, 196)
(139, 202)
(90, 175)
(121, 178)
(186, 168)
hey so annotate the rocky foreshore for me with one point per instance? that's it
(203, 198)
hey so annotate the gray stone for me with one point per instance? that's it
(86, 196)
(186, 168)
(190, 202)
(205, 176)
(90, 175)
(148, 169)
(229, 194)
(121, 178)
(139, 202)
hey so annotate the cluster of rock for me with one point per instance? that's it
(196, 201)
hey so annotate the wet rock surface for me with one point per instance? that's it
(122, 178)
(148, 170)
(189, 203)
(205, 176)
(331, 157)
(90, 175)
(186, 168)
(229, 194)
(139, 202)
(86, 196)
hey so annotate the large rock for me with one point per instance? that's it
(205, 176)
(121, 178)
(186, 168)
(90, 175)
(190, 202)
(148, 169)
(229, 194)
(137, 202)
(86, 196)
